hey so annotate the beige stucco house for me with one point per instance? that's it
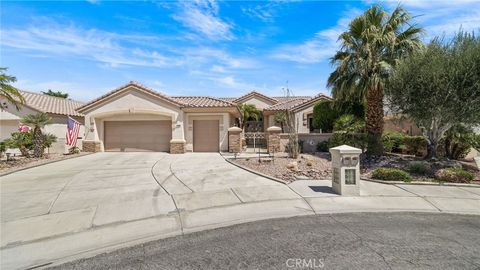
(57, 108)
(136, 118)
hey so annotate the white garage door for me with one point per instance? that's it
(138, 135)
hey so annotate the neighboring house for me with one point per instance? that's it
(57, 108)
(136, 118)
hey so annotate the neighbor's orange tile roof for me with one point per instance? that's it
(49, 104)
(202, 101)
(286, 104)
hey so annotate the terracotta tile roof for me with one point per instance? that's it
(229, 99)
(287, 104)
(202, 101)
(310, 101)
(134, 84)
(280, 99)
(49, 104)
(255, 93)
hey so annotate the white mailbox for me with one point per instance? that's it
(346, 170)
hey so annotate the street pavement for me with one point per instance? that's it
(101, 202)
(337, 241)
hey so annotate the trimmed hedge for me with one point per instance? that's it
(454, 175)
(395, 142)
(391, 174)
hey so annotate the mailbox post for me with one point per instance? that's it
(346, 170)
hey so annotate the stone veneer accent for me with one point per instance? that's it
(177, 146)
(234, 140)
(273, 141)
(91, 146)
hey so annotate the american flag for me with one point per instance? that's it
(73, 127)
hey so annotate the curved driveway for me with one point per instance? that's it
(102, 201)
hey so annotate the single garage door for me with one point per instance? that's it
(138, 135)
(205, 135)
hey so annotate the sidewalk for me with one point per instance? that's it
(54, 241)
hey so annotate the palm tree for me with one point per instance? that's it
(55, 94)
(281, 118)
(37, 122)
(248, 111)
(10, 93)
(371, 47)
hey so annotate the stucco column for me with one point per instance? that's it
(234, 140)
(273, 139)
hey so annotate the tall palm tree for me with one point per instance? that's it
(248, 111)
(37, 122)
(371, 47)
(8, 92)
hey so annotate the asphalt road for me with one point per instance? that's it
(340, 241)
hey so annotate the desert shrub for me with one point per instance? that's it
(358, 140)
(3, 147)
(391, 174)
(457, 142)
(415, 145)
(322, 146)
(349, 123)
(454, 175)
(419, 167)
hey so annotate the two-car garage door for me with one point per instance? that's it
(137, 135)
(156, 135)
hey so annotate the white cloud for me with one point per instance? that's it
(264, 12)
(105, 47)
(76, 91)
(440, 17)
(319, 48)
(202, 16)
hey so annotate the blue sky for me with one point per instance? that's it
(225, 48)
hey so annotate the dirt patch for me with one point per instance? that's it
(19, 162)
(308, 166)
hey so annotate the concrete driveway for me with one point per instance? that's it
(106, 199)
(100, 202)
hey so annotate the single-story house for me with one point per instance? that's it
(57, 108)
(136, 118)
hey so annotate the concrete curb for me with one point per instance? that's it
(45, 163)
(421, 183)
(229, 160)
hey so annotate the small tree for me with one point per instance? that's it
(324, 115)
(281, 118)
(37, 122)
(439, 87)
(48, 140)
(10, 93)
(21, 140)
(55, 94)
(248, 111)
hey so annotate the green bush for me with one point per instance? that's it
(415, 145)
(391, 174)
(358, 140)
(322, 146)
(419, 167)
(324, 115)
(393, 141)
(3, 147)
(454, 175)
(349, 123)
